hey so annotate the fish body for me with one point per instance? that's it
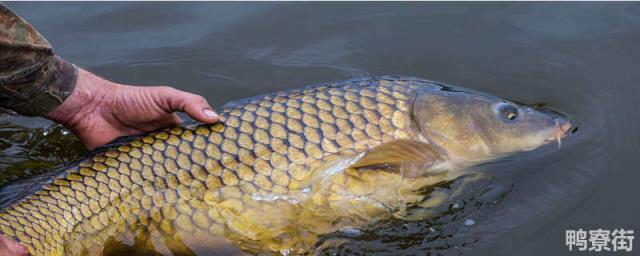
(277, 171)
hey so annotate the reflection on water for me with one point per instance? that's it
(581, 58)
(29, 147)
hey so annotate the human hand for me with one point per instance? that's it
(99, 111)
(9, 247)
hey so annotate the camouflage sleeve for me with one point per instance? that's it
(33, 80)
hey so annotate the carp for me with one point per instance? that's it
(277, 172)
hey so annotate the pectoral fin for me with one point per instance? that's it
(407, 157)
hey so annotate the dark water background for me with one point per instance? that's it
(580, 58)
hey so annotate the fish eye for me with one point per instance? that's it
(508, 112)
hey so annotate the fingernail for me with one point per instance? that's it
(209, 113)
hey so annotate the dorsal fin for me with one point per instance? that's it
(19, 189)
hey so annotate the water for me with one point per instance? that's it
(581, 58)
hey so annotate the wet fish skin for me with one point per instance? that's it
(200, 180)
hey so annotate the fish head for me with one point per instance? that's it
(471, 127)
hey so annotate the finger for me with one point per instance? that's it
(11, 247)
(173, 120)
(195, 106)
(163, 121)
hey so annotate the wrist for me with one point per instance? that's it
(89, 92)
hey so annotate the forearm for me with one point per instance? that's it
(33, 81)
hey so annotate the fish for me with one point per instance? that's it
(277, 172)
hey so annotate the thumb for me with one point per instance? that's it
(194, 105)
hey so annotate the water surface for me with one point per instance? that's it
(581, 58)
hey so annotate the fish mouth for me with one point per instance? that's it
(563, 128)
